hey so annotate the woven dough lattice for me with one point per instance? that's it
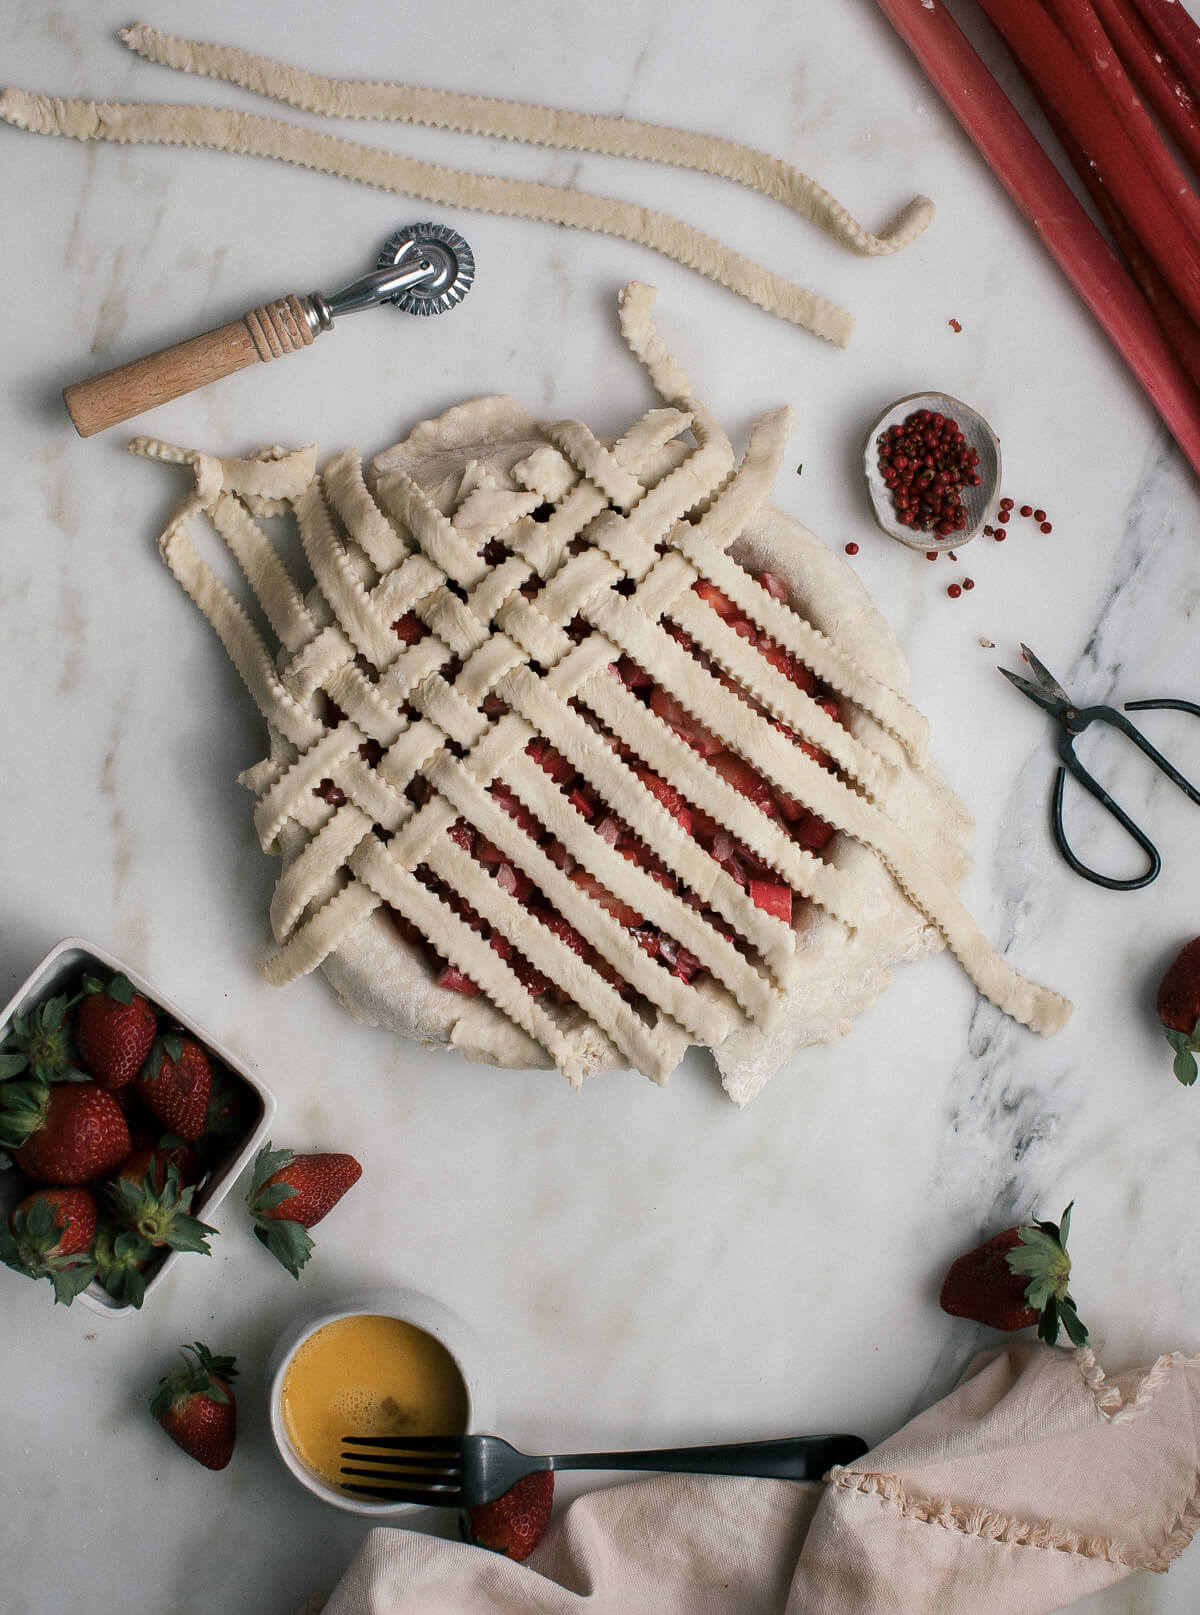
(452, 631)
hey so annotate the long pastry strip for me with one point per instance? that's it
(537, 125)
(217, 129)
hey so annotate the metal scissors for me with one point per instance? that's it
(1044, 689)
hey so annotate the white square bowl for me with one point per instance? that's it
(62, 965)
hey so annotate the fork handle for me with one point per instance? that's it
(792, 1458)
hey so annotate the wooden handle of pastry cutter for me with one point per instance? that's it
(117, 395)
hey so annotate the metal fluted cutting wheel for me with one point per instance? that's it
(453, 261)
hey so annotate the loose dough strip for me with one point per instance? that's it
(219, 129)
(536, 125)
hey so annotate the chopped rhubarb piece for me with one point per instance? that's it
(371, 752)
(744, 627)
(565, 932)
(554, 763)
(581, 804)
(609, 830)
(686, 963)
(745, 779)
(831, 705)
(462, 834)
(716, 598)
(670, 798)
(512, 805)
(773, 584)
(506, 879)
(487, 852)
(410, 629)
(329, 792)
(671, 711)
(812, 832)
(775, 898)
(631, 675)
(591, 887)
(456, 982)
(649, 938)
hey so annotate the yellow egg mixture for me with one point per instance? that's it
(368, 1376)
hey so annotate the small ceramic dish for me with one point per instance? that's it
(980, 501)
(293, 1357)
(58, 972)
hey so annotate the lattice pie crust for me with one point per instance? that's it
(535, 558)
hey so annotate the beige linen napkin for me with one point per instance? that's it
(1035, 1482)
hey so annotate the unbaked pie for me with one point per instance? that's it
(581, 753)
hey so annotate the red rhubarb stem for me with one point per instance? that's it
(1051, 206)
(1155, 75)
(1082, 26)
(1053, 68)
(1176, 32)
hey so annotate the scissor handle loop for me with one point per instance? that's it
(1056, 819)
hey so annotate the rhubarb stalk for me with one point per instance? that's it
(1155, 75)
(1048, 202)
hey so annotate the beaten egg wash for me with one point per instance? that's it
(368, 1376)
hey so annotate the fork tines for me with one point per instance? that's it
(427, 1467)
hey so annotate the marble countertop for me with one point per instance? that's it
(645, 1266)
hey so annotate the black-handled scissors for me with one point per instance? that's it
(1044, 689)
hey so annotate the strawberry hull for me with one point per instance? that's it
(254, 1104)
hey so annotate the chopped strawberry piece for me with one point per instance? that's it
(833, 706)
(558, 855)
(773, 584)
(744, 627)
(409, 628)
(487, 852)
(773, 897)
(456, 982)
(649, 938)
(714, 597)
(329, 792)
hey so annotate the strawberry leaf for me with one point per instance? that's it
(1072, 1322)
(288, 1242)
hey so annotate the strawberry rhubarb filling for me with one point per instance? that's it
(766, 889)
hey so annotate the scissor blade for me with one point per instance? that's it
(1044, 678)
(1027, 687)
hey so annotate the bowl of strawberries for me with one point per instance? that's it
(121, 1125)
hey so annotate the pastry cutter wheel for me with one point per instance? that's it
(423, 269)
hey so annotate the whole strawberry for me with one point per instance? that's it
(64, 1132)
(160, 1214)
(1016, 1279)
(515, 1523)
(290, 1194)
(114, 1028)
(40, 1043)
(1178, 1006)
(49, 1235)
(175, 1083)
(122, 1258)
(195, 1406)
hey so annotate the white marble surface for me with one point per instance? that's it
(645, 1266)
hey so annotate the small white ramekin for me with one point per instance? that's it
(64, 964)
(423, 1312)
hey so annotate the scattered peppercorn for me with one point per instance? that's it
(931, 555)
(968, 583)
(1027, 510)
(1039, 515)
(1000, 534)
(954, 591)
(1047, 527)
(851, 549)
(954, 325)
